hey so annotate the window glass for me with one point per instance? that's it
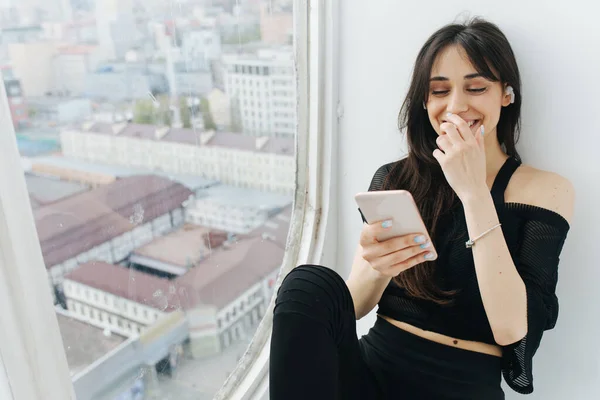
(143, 176)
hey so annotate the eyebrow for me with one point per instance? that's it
(443, 78)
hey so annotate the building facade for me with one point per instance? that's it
(112, 297)
(32, 65)
(19, 110)
(261, 163)
(199, 47)
(72, 65)
(235, 210)
(263, 88)
(59, 110)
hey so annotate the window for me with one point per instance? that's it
(123, 204)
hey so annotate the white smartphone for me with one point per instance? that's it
(397, 205)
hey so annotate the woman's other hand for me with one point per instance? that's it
(461, 154)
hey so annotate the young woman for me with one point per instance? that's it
(449, 328)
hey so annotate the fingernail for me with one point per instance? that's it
(448, 114)
(425, 245)
(420, 239)
(429, 256)
(482, 130)
(386, 224)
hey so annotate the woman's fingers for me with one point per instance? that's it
(451, 133)
(462, 127)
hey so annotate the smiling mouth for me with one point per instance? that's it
(474, 125)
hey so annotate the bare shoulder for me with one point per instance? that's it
(543, 189)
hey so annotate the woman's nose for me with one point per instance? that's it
(457, 103)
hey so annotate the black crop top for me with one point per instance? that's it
(535, 237)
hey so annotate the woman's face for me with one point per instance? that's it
(456, 87)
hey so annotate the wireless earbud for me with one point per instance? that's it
(510, 90)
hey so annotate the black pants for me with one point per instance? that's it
(315, 352)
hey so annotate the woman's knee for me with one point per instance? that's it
(315, 291)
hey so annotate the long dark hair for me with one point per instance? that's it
(490, 53)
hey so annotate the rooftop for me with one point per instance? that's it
(275, 229)
(184, 247)
(243, 197)
(30, 147)
(84, 343)
(127, 283)
(280, 146)
(218, 280)
(231, 270)
(57, 163)
(44, 190)
(80, 222)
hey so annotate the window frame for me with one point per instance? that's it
(314, 211)
(33, 364)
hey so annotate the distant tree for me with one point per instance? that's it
(209, 123)
(185, 113)
(248, 35)
(148, 111)
(32, 112)
(144, 112)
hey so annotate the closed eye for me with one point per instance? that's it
(443, 92)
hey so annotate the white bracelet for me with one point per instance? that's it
(469, 243)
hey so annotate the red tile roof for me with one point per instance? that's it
(228, 273)
(74, 225)
(127, 283)
(217, 281)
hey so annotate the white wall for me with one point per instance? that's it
(558, 51)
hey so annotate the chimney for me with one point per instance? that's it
(88, 125)
(206, 137)
(214, 239)
(118, 128)
(161, 132)
(261, 142)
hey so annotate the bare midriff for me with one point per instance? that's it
(479, 347)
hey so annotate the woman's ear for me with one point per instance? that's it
(509, 96)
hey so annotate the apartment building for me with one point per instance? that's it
(234, 209)
(262, 88)
(263, 163)
(108, 222)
